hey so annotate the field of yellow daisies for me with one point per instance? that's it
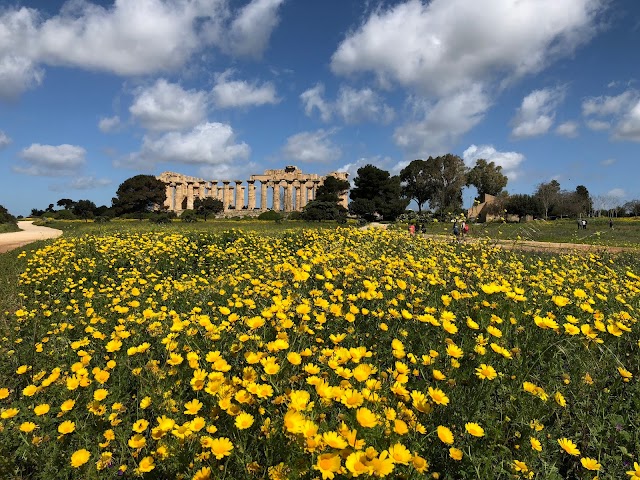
(318, 354)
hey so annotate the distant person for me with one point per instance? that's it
(610, 223)
(584, 224)
(463, 226)
(412, 229)
(456, 231)
(423, 228)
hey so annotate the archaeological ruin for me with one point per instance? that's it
(287, 190)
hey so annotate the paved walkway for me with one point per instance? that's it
(29, 233)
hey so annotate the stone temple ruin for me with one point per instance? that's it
(287, 190)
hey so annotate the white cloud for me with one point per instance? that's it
(628, 128)
(252, 27)
(608, 162)
(167, 106)
(598, 125)
(228, 171)
(207, 144)
(509, 161)
(385, 163)
(608, 105)
(17, 74)
(568, 129)
(617, 192)
(109, 124)
(310, 147)
(444, 46)
(537, 112)
(442, 123)
(313, 98)
(127, 37)
(229, 93)
(357, 106)
(621, 113)
(5, 140)
(51, 160)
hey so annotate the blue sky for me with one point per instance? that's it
(92, 93)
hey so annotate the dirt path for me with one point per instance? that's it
(533, 246)
(29, 233)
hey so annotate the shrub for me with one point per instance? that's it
(270, 215)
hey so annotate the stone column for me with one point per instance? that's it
(239, 195)
(316, 183)
(309, 194)
(251, 198)
(168, 193)
(263, 195)
(219, 193)
(288, 187)
(226, 200)
(299, 197)
(189, 195)
(213, 190)
(276, 196)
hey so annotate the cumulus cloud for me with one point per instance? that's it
(568, 129)
(313, 98)
(620, 113)
(385, 163)
(5, 140)
(509, 161)
(608, 162)
(352, 105)
(228, 170)
(608, 105)
(252, 27)
(228, 93)
(441, 124)
(109, 124)
(17, 74)
(597, 125)
(444, 46)
(311, 147)
(127, 37)
(51, 160)
(617, 192)
(537, 112)
(167, 106)
(628, 128)
(206, 144)
(357, 106)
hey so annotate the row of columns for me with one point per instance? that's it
(181, 196)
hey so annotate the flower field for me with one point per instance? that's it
(319, 354)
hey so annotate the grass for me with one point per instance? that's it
(8, 227)
(77, 228)
(626, 231)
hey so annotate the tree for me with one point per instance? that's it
(50, 208)
(522, 205)
(207, 206)
(447, 175)
(139, 194)
(416, 184)
(84, 209)
(377, 192)
(326, 205)
(585, 204)
(65, 203)
(547, 194)
(487, 178)
(632, 208)
(5, 216)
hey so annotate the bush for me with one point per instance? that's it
(62, 215)
(295, 216)
(102, 219)
(160, 218)
(189, 216)
(270, 215)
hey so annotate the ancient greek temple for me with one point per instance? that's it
(286, 190)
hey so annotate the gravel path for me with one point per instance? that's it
(29, 233)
